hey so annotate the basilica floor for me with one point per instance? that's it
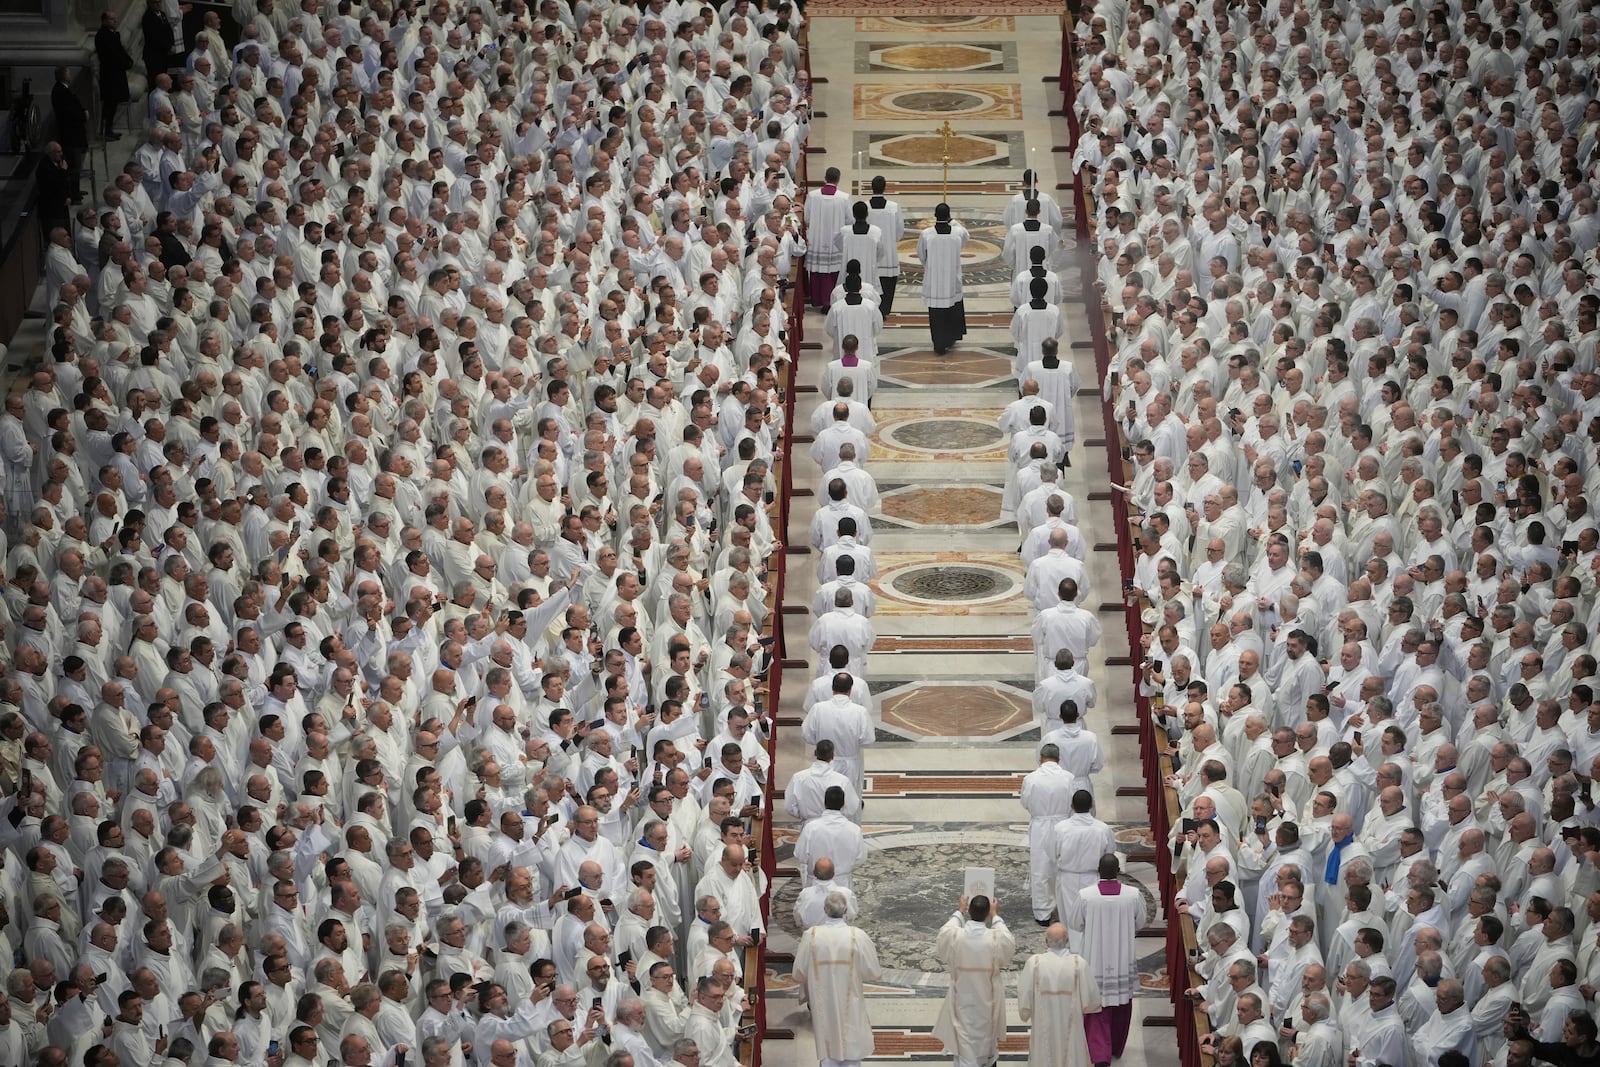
(952, 670)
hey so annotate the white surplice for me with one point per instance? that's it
(832, 963)
(1054, 993)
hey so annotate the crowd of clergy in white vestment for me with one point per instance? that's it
(1348, 253)
(389, 541)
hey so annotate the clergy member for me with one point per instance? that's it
(939, 251)
(833, 963)
(1054, 993)
(975, 947)
(1047, 795)
(1111, 915)
(885, 215)
(1058, 383)
(826, 211)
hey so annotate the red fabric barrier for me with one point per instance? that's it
(1152, 740)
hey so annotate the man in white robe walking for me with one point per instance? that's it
(975, 947)
(826, 212)
(1073, 851)
(1058, 383)
(886, 216)
(1111, 915)
(845, 723)
(832, 964)
(1047, 795)
(833, 836)
(939, 251)
(1054, 993)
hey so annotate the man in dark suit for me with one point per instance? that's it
(173, 254)
(115, 62)
(55, 187)
(72, 126)
(158, 42)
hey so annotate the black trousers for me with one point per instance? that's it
(947, 325)
(886, 284)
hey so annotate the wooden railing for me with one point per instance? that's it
(1163, 802)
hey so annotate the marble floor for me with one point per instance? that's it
(952, 670)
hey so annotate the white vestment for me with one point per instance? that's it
(940, 255)
(1054, 993)
(974, 1012)
(1059, 385)
(825, 214)
(847, 724)
(1109, 925)
(1047, 795)
(832, 963)
(1073, 850)
(833, 836)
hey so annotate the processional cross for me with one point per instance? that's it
(945, 133)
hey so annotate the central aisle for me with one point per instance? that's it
(952, 671)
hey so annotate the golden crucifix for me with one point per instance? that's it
(945, 133)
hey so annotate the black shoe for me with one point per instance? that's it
(1042, 922)
(1066, 460)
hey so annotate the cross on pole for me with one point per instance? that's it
(945, 133)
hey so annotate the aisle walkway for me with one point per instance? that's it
(953, 667)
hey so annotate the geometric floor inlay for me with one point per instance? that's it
(967, 149)
(913, 366)
(945, 505)
(906, 892)
(983, 645)
(967, 57)
(938, 100)
(936, 24)
(995, 320)
(920, 187)
(955, 711)
(935, 784)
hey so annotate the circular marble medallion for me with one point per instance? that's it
(939, 101)
(945, 435)
(972, 586)
(951, 583)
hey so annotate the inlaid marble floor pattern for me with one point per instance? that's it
(952, 671)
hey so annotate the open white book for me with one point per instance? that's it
(979, 883)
